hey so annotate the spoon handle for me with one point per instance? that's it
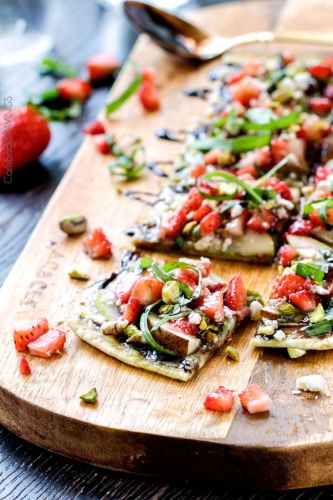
(304, 37)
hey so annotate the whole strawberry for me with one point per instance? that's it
(24, 134)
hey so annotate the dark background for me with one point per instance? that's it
(79, 28)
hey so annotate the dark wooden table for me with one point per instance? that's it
(79, 28)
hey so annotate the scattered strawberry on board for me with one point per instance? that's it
(253, 399)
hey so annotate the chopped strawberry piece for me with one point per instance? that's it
(249, 170)
(286, 255)
(131, 310)
(204, 265)
(316, 220)
(305, 300)
(245, 90)
(184, 326)
(210, 223)
(101, 66)
(213, 307)
(97, 244)
(94, 128)
(72, 89)
(314, 129)
(280, 187)
(188, 273)
(280, 148)
(198, 170)
(301, 228)
(221, 399)
(320, 105)
(149, 96)
(187, 280)
(264, 157)
(147, 290)
(48, 344)
(27, 330)
(320, 71)
(262, 220)
(149, 74)
(287, 57)
(212, 157)
(203, 295)
(193, 201)
(24, 366)
(255, 400)
(199, 214)
(175, 224)
(287, 284)
(236, 295)
(124, 285)
(102, 144)
(214, 287)
(321, 174)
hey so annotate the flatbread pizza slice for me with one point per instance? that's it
(165, 318)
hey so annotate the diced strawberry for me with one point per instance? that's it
(187, 280)
(212, 157)
(97, 244)
(321, 174)
(287, 57)
(215, 287)
(149, 74)
(175, 224)
(209, 188)
(286, 255)
(301, 228)
(245, 90)
(320, 71)
(188, 273)
(149, 96)
(279, 148)
(199, 214)
(48, 344)
(101, 66)
(221, 399)
(248, 170)
(280, 187)
(147, 290)
(198, 170)
(210, 223)
(262, 220)
(236, 295)
(24, 366)
(193, 201)
(27, 330)
(314, 129)
(249, 69)
(184, 326)
(316, 220)
(213, 307)
(329, 216)
(255, 400)
(305, 300)
(204, 293)
(102, 144)
(287, 284)
(131, 310)
(320, 105)
(124, 285)
(94, 128)
(72, 89)
(264, 157)
(204, 265)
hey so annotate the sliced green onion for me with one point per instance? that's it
(320, 328)
(169, 317)
(310, 271)
(236, 180)
(273, 170)
(218, 197)
(274, 124)
(164, 276)
(128, 92)
(235, 145)
(49, 66)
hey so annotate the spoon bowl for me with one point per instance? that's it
(180, 37)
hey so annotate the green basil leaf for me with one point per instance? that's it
(310, 271)
(170, 317)
(274, 124)
(49, 66)
(320, 328)
(236, 180)
(128, 92)
(217, 197)
(164, 276)
(235, 145)
(273, 170)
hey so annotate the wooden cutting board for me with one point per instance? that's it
(145, 423)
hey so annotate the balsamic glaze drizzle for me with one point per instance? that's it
(201, 93)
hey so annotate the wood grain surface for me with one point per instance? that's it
(142, 422)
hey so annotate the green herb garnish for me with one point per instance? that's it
(236, 180)
(235, 145)
(90, 396)
(273, 123)
(52, 67)
(128, 92)
(320, 328)
(147, 333)
(126, 165)
(310, 271)
(321, 205)
(273, 170)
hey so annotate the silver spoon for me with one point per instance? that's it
(189, 42)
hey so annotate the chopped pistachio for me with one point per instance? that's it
(318, 314)
(73, 224)
(295, 353)
(131, 330)
(196, 232)
(90, 396)
(189, 227)
(203, 324)
(232, 353)
(77, 275)
(210, 336)
(170, 292)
